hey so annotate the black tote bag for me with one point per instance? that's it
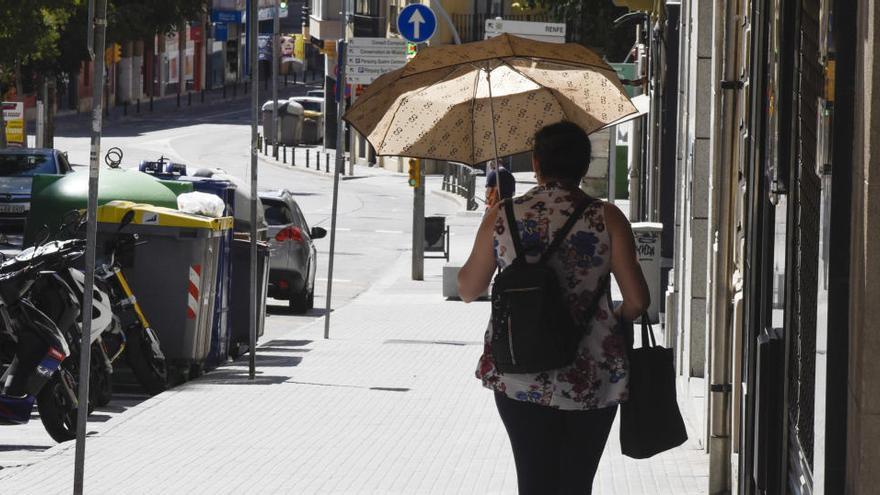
(650, 421)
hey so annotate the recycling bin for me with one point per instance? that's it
(53, 196)
(290, 121)
(220, 326)
(239, 307)
(173, 273)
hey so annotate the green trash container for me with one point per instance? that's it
(173, 275)
(55, 195)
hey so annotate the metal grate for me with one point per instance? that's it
(805, 269)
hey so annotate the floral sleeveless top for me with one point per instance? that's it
(599, 375)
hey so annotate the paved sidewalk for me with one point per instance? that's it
(388, 405)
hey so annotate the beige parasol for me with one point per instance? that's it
(473, 102)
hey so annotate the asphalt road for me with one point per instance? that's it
(374, 220)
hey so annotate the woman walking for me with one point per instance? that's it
(558, 420)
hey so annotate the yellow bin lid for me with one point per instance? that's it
(144, 214)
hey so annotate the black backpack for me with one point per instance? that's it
(532, 326)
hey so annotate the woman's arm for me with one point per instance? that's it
(475, 275)
(625, 265)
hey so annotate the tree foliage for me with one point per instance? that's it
(591, 23)
(48, 37)
(30, 33)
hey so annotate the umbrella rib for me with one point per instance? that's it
(474, 117)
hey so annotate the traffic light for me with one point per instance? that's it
(117, 53)
(283, 5)
(415, 174)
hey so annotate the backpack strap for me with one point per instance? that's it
(576, 215)
(511, 226)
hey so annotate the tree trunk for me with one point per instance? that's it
(19, 87)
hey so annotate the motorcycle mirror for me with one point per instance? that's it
(127, 218)
(43, 235)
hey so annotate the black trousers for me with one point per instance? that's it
(556, 451)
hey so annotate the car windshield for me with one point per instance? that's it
(277, 214)
(25, 165)
(313, 106)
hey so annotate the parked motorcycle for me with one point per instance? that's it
(40, 338)
(143, 354)
(133, 337)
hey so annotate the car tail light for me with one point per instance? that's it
(290, 234)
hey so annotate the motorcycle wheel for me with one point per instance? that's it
(100, 384)
(57, 410)
(147, 363)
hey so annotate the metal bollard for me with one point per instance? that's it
(293, 156)
(308, 155)
(294, 78)
(178, 100)
(151, 103)
(189, 98)
(284, 154)
(137, 107)
(327, 162)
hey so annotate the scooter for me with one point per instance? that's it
(40, 332)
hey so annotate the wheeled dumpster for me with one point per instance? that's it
(220, 333)
(239, 305)
(173, 275)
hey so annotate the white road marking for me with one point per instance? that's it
(379, 231)
(335, 280)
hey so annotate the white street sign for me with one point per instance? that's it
(539, 31)
(369, 58)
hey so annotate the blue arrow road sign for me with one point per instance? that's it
(416, 23)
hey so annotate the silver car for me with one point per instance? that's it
(17, 168)
(293, 257)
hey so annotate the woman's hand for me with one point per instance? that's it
(475, 275)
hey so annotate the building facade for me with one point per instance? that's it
(774, 239)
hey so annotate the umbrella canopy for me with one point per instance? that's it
(477, 101)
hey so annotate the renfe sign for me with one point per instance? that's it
(539, 31)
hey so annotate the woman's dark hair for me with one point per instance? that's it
(563, 152)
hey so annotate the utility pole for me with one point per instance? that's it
(341, 53)
(276, 52)
(418, 230)
(253, 22)
(98, 18)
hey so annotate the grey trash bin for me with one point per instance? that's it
(173, 275)
(267, 118)
(290, 118)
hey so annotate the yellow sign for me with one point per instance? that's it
(299, 46)
(13, 116)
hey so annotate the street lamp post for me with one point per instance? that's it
(253, 22)
(98, 22)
